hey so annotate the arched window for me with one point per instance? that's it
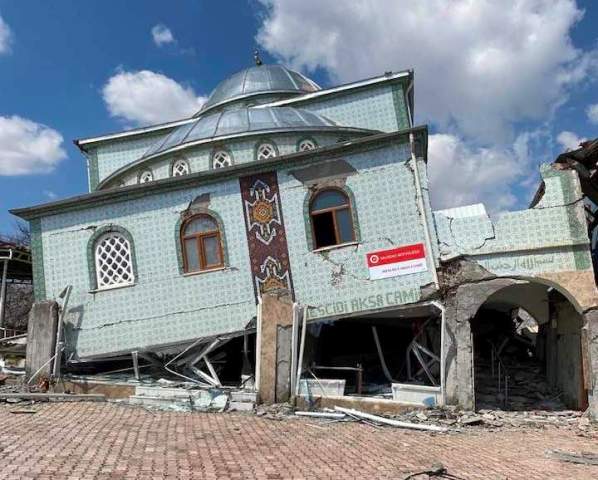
(202, 244)
(265, 151)
(113, 260)
(180, 167)
(146, 176)
(331, 218)
(306, 144)
(221, 159)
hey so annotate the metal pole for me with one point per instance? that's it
(301, 349)
(294, 332)
(440, 307)
(135, 356)
(3, 291)
(258, 343)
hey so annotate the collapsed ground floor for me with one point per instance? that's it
(104, 440)
(498, 343)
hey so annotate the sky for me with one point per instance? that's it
(503, 86)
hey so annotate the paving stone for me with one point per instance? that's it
(96, 441)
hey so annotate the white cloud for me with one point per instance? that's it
(592, 113)
(27, 147)
(162, 35)
(480, 66)
(5, 37)
(50, 194)
(569, 140)
(146, 98)
(461, 175)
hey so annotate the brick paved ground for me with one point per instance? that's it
(108, 441)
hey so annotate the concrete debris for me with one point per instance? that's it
(52, 397)
(584, 458)
(387, 421)
(193, 399)
(473, 420)
(453, 419)
(277, 411)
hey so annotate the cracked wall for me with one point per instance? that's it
(550, 237)
(336, 282)
(163, 306)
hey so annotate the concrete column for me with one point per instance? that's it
(591, 338)
(275, 351)
(41, 339)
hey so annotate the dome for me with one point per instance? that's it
(242, 121)
(259, 80)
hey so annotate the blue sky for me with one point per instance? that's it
(495, 122)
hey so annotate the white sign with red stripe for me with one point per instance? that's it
(397, 261)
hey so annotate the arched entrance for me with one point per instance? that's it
(528, 350)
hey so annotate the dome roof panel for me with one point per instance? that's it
(259, 80)
(242, 121)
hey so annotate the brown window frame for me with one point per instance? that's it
(346, 206)
(199, 244)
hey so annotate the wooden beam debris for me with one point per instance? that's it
(388, 421)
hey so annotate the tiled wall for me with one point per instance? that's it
(111, 156)
(242, 151)
(549, 237)
(337, 281)
(163, 306)
(380, 107)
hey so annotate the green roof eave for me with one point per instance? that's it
(102, 197)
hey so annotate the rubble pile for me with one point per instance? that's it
(526, 389)
(498, 419)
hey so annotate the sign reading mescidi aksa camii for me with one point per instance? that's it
(397, 261)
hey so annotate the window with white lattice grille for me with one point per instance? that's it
(265, 151)
(306, 144)
(180, 167)
(146, 176)
(221, 159)
(113, 261)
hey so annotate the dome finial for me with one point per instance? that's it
(256, 57)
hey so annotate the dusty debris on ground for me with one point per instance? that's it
(584, 458)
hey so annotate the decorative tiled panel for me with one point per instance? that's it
(372, 108)
(336, 281)
(163, 306)
(266, 235)
(532, 262)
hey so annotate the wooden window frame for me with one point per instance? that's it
(199, 245)
(347, 206)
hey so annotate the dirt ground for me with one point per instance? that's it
(109, 441)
